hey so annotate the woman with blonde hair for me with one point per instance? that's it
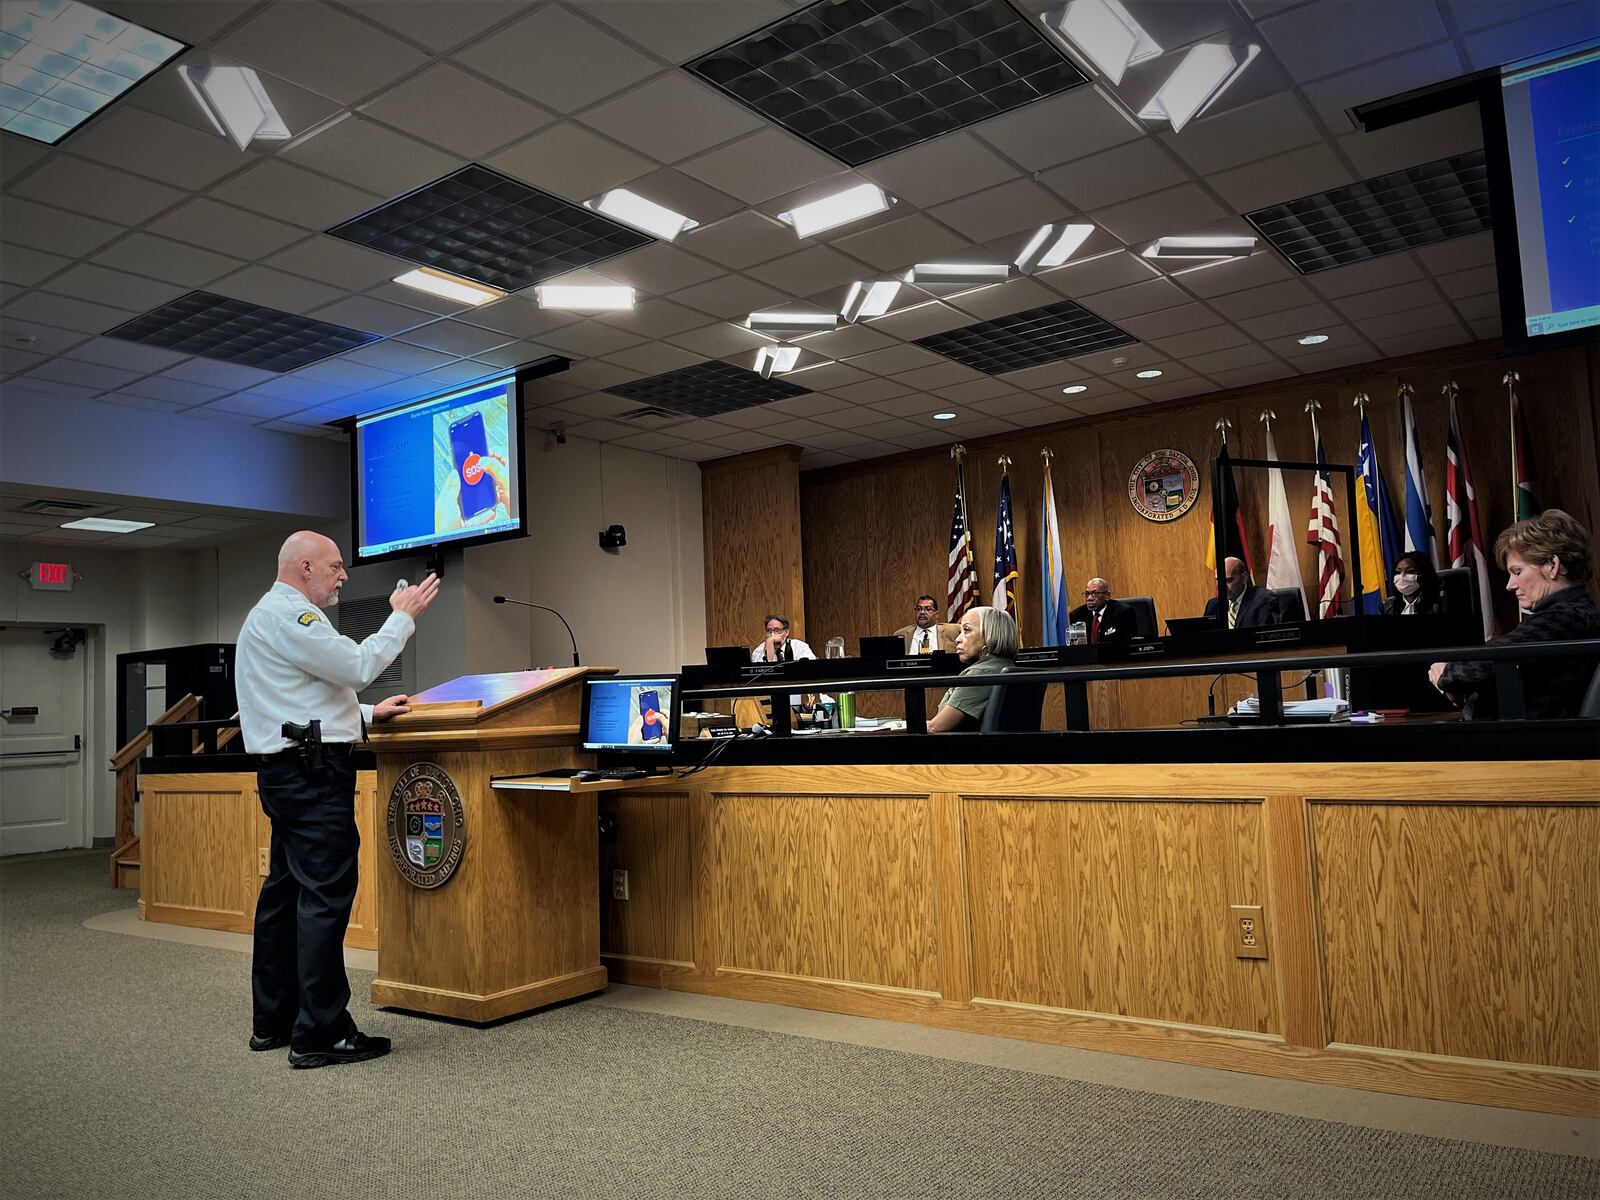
(987, 644)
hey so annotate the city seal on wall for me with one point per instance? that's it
(1164, 485)
(427, 825)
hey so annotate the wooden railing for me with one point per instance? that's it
(125, 765)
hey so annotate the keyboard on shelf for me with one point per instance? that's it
(613, 773)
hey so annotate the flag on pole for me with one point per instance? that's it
(1419, 536)
(1283, 555)
(1052, 572)
(1523, 505)
(1005, 548)
(1378, 536)
(1463, 534)
(961, 589)
(1323, 532)
(1225, 509)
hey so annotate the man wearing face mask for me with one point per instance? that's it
(1416, 588)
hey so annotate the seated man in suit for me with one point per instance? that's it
(1248, 605)
(1104, 619)
(928, 633)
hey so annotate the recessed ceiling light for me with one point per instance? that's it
(841, 208)
(633, 209)
(1227, 246)
(790, 322)
(587, 299)
(107, 525)
(1152, 373)
(870, 299)
(1052, 246)
(65, 61)
(776, 360)
(236, 103)
(1313, 339)
(450, 287)
(924, 274)
(944, 416)
(1204, 74)
(1075, 389)
(1104, 33)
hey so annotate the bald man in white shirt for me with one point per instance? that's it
(292, 668)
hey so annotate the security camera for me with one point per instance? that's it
(613, 537)
(559, 430)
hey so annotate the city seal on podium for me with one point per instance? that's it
(1164, 485)
(427, 825)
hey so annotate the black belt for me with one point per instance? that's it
(329, 749)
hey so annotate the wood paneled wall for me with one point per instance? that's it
(876, 534)
(752, 545)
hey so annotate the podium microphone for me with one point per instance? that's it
(548, 609)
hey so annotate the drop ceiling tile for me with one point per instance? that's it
(589, 338)
(939, 170)
(1170, 322)
(1134, 357)
(1368, 276)
(1328, 360)
(19, 156)
(455, 337)
(50, 387)
(1151, 296)
(1321, 39)
(322, 49)
(17, 331)
(743, 240)
(809, 270)
(1010, 208)
(893, 361)
(1047, 377)
(1246, 376)
(849, 341)
(1411, 320)
(248, 404)
(656, 319)
(828, 377)
(681, 193)
(1310, 318)
(79, 374)
(24, 267)
(981, 392)
(559, 59)
(402, 359)
(1274, 297)
(1423, 140)
(285, 192)
(456, 111)
(833, 439)
(274, 289)
(1428, 339)
(1072, 125)
(225, 230)
(570, 161)
(1458, 254)
(100, 191)
(336, 262)
(438, 24)
(1121, 173)
(41, 228)
(1479, 308)
(336, 372)
(13, 360)
(720, 340)
(672, 117)
(729, 297)
(1003, 299)
(1487, 330)
(373, 316)
(679, 32)
(1236, 275)
(921, 320)
(660, 268)
(894, 430)
(1331, 97)
(874, 391)
(1366, 305)
(463, 371)
(1178, 210)
(128, 356)
(798, 430)
(1263, 127)
(763, 165)
(1535, 34)
(948, 375)
(813, 404)
(653, 358)
(160, 258)
(1289, 176)
(372, 157)
(65, 313)
(1093, 276)
(519, 316)
(1231, 358)
(221, 375)
(895, 245)
(141, 142)
(912, 405)
(1200, 341)
(595, 374)
(852, 417)
(763, 416)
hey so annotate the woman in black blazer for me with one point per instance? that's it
(1415, 588)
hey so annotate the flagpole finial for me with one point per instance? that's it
(1312, 405)
(1267, 417)
(1361, 401)
(1223, 425)
(1047, 454)
(1404, 392)
(1511, 380)
(1005, 462)
(1450, 390)
(958, 452)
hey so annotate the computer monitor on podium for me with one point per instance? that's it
(632, 715)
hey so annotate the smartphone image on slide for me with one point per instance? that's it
(468, 446)
(650, 716)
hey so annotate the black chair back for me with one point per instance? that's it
(1591, 698)
(1014, 707)
(1144, 615)
(1289, 605)
(1457, 596)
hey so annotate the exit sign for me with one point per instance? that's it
(51, 577)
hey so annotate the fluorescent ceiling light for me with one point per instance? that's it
(450, 287)
(1204, 74)
(64, 61)
(107, 525)
(1230, 246)
(841, 208)
(1104, 33)
(1313, 339)
(776, 360)
(588, 299)
(1075, 389)
(924, 274)
(1052, 246)
(1152, 373)
(781, 322)
(236, 103)
(944, 416)
(870, 299)
(635, 210)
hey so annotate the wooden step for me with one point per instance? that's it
(125, 866)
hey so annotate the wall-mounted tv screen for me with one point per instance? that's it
(1548, 165)
(445, 470)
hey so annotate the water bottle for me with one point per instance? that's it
(1077, 634)
(835, 648)
(847, 710)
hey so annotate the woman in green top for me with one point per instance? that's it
(987, 643)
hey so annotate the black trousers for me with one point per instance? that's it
(297, 978)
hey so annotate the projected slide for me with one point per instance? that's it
(441, 470)
(629, 714)
(1553, 134)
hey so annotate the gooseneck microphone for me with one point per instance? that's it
(548, 609)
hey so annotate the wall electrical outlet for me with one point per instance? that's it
(619, 885)
(263, 860)
(1249, 931)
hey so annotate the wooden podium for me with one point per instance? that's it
(516, 925)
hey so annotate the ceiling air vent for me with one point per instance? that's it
(60, 508)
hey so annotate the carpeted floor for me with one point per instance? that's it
(125, 1075)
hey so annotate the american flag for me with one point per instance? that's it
(1323, 533)
(962, 590)
(1005, 553)
(1464, 536)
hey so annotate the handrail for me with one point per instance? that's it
(141, 741)
(125, 765)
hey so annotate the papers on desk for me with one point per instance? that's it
(1305, 710)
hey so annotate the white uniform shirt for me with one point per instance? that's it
(758, 653)
(292, 665)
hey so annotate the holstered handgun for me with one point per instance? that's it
(307, 739)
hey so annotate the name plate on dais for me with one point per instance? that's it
(427, 825)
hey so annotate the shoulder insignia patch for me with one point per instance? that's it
(306, 618)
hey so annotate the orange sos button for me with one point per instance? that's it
(472, 468)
